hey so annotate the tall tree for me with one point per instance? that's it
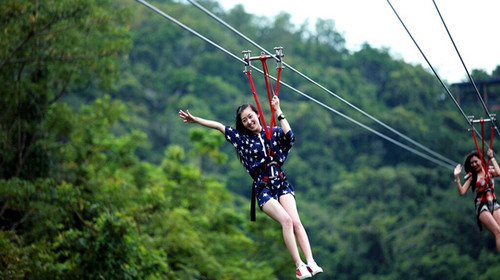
(47, 50)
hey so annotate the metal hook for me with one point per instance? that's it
(279, 55)
(246, 58)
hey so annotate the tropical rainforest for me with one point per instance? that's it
(101, 179)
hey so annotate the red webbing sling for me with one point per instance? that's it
(270, 90)
(479, 151)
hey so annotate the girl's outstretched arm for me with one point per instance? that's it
(189, 118)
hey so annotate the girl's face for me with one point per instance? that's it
(475, 163)
(250, 120)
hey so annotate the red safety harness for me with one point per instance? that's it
(484, 189)
(270, 90)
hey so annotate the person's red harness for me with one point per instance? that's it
(270, 93)
(270, 90)
(484, 190)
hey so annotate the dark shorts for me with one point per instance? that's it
(480, 207)
(273, 188)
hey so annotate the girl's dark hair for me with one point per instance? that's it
(468, 168)
(239, 124)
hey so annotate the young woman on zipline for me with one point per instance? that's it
(263, 158)
(481, 180)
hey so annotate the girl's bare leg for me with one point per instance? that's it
(491, 223)
(276, 211)
(290, 206)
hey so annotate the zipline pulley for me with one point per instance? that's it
(491, 119)
(263, 56)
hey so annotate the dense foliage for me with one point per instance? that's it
(100, 179)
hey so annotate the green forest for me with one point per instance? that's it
(101, 179)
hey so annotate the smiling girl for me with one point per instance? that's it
(483, 185)
(263, 158)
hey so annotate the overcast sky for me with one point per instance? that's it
(473, 24)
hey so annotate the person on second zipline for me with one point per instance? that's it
(263, 158)
(481, 180)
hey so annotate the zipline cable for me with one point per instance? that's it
(430, 65)
(322, 87)
(465, 67)
(406, 147)
(469, 122)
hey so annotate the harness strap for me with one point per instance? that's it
(481, 151)
(252, 205)
(265, 179)
(258, 103)
(491, 141)
(268, 130)
(478, 150)
(270, 90)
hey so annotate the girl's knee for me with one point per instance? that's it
(297, 225)
(286, 221)
(495, 229)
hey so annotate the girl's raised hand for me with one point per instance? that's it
(490, 153)
(458, 170)
(186, 116)
(275, 102)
